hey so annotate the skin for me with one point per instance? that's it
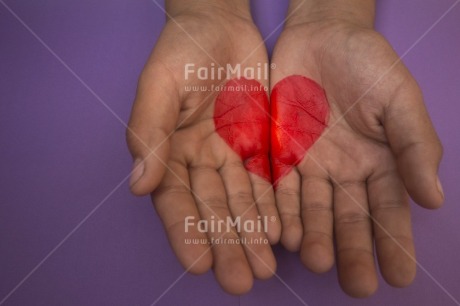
(352, 186)
(179, 157)
(365, 162)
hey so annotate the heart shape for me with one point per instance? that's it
(242, 119)
(298, 110)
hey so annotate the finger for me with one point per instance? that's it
(178, 212)
(415, 144)
(317, 250)
(264, 196)
(287, 194)
(353, 232)
(390, 210)
(243, 207)
(230, 264)
(153, 118)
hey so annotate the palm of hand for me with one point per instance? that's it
(348, 185)
(205, 179)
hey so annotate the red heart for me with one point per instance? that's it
(299, 111)
(241, 117)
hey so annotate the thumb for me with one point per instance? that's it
(153, 118)
(415, 144)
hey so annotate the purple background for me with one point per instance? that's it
(63, 155)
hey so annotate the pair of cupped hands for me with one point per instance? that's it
(349, 191)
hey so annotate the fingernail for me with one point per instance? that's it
(438, 183)
(138, 171)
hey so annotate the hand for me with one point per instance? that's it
(379, 142)
(178, 155)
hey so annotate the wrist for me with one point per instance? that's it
(357, 12)
(239, 8)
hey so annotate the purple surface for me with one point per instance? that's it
(62, 153)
